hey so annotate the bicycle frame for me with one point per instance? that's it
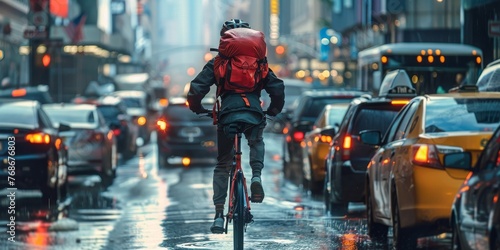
(236, 175)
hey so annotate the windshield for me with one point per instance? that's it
(455, 114)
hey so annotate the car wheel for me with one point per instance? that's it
(455, 241)
(376, 231)
(402, 238)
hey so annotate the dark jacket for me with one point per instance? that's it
(231, 102)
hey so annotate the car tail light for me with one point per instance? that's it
(38, 138)
(95, 137)
(298, 136)
(141, 121)
(325, 138)
(162, 125)
(18, 92)
(346, 148)
(117, 131)
(426, 155)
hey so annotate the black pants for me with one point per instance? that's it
(225, 147)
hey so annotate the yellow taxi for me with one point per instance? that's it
(317, 143)
(407, 186)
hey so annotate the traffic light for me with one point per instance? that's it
(40, 63)
(279, 54)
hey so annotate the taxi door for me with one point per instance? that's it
(394, 139)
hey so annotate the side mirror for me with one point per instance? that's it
(63, 127)
(459, 160)
(329, 132)
(370, 137)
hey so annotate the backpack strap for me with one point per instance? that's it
(245, 99)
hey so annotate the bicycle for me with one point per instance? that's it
(239, 200)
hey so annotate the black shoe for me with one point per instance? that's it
(257, 190)
(218, 226)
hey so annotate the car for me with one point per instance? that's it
(475, 213)
(489, 79)
(35, 156)
(305, 112)
(347, 157)
(293, 89)
(126, 131)
(91, 143)
(138, 108)
(317, 142)
(407, 186)
(38, 93)
(184, 137)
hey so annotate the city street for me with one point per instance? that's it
(151, 208)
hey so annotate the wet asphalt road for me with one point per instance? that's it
(171, 208)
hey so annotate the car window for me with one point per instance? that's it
(489, 79)
(337, 113)
(391, 133)
(109, 112)
(404, 127)
(462, 114)
(372, 119)
(133, 102)
(71, 115)
(44, 120)
(312, 109)
(18, 114)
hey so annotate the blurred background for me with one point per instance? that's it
(67, 44)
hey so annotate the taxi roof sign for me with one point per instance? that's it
(397, 83)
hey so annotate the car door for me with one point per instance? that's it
(481, 194)
(395, 140)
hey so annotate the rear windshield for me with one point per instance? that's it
(462, 114)
(110, 113)
(71, 115)
(374, 118)
(337, 113)
(18, 114)
(132, 102)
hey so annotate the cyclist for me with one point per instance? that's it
(233, 109)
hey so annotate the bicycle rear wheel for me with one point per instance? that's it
(239, 214)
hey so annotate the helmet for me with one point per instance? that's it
(233, 23)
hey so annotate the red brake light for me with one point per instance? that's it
(162, 125)
(426, 155)
(346, 148)
(38, 138)
(116, 131)
(298, 136)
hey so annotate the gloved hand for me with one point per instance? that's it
(272, 111)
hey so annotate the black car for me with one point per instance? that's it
(34, 155)
(307, 109)
(475, 213)
(348, 158)
(126, 131)
(184, 137)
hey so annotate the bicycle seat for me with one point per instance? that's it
(235, 128)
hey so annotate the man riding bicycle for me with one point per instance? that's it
(235, 109)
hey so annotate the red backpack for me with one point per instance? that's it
(241, 63)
